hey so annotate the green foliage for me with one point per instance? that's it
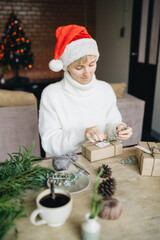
(18, 162)
(18, 174)
(154, 151)
(95, 205)
(9, 212)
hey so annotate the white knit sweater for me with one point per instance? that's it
(67, 108)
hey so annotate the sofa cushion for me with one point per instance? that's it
(18, 126)
(119, 89)
(16, 98)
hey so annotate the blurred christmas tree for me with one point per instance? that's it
(15, 48)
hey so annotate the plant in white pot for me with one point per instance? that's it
(90, 229)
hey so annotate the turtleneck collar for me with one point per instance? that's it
(76, 88)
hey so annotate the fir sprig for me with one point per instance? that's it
(95, 206)
(9, 212)
(30, 179)
(18, 162)
(16, 175)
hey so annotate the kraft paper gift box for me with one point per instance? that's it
(94, 153)
(149, 164)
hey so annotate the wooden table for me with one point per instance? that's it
(139, 195)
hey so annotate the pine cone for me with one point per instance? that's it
(107, 187)
(107, 172)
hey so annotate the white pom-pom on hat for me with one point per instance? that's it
(56, 65)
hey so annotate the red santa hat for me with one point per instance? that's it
(73, 42)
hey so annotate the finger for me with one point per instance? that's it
(123, 132)
(94, 134)
(124, 137)
(92, 140)
(96, 138)
(89, 137)
(127, 130)
(102, 137)
(121, 127)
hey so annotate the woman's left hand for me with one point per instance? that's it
(123, 132)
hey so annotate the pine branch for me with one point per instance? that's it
(16, 176)
(9, 212)
(31, 178)
(18, 163)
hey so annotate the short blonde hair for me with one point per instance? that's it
(83, 59)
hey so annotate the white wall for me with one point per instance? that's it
(156, 108)
(113, 64)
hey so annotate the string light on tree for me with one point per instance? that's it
(15, 48)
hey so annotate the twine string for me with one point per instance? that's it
(111, 142)
(152, 149)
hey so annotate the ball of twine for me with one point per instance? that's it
(112, 208)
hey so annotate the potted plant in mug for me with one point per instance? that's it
(90, 229)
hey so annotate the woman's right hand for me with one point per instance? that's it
(94, 134)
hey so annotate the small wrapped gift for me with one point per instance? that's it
(94, 153)
(148, 161)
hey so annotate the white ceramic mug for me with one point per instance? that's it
(54, 217)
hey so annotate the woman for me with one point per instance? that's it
(79, 107)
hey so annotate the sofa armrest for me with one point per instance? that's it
(132, 111)
(18, 126)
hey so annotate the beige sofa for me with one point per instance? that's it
(132, 111)
(18, 122)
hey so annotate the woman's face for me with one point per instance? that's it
(83, 72)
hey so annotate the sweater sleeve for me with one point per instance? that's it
(55, 140)
(113, 117)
